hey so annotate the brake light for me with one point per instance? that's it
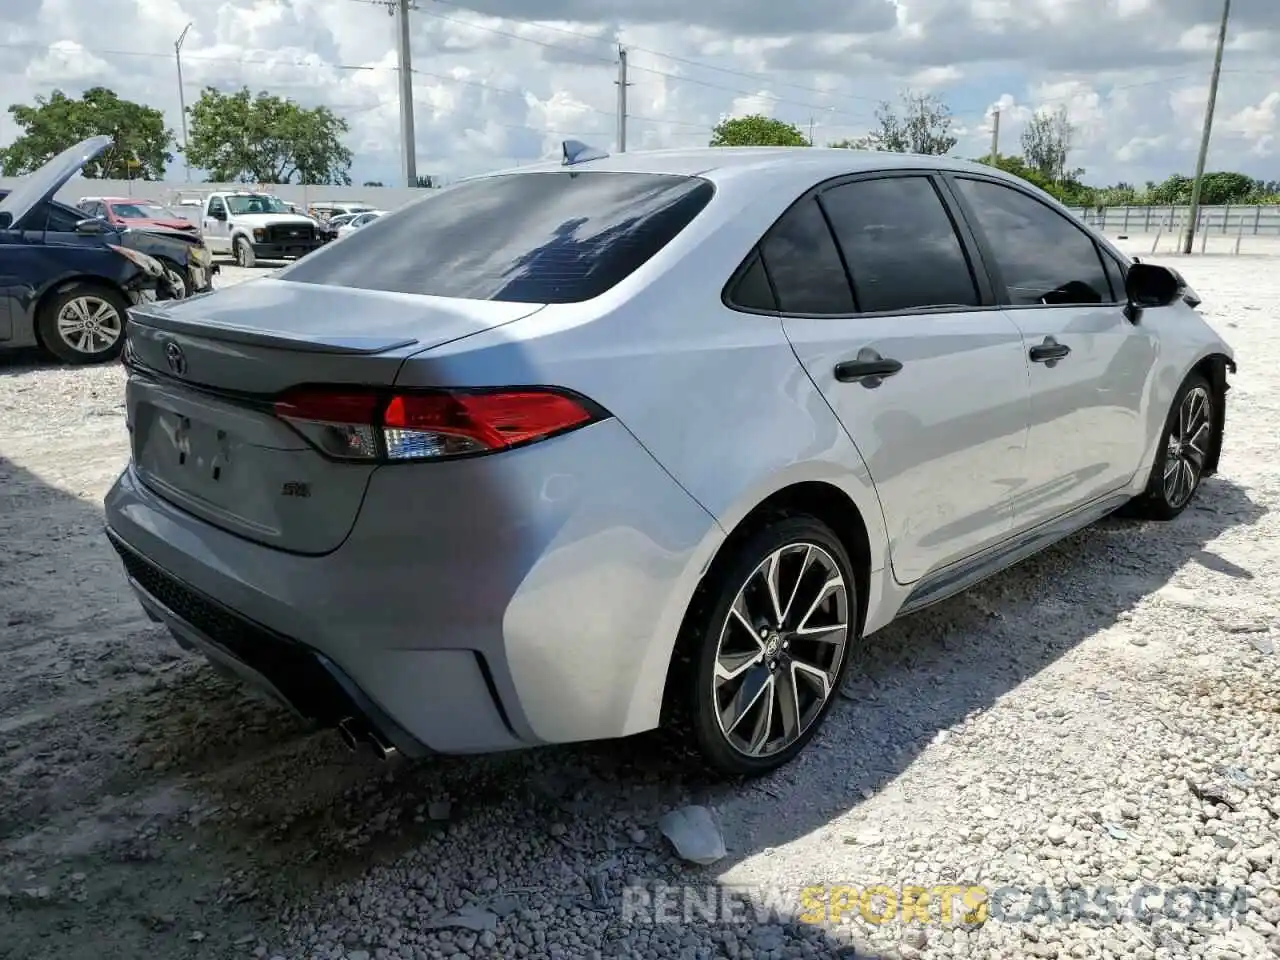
(372, 425)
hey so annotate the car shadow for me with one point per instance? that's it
(136, 767)
(23, 360)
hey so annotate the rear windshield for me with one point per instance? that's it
(524, 237)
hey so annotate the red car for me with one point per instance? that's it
(133, 212)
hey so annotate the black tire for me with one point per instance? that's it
(245, 257)
(1164, 499)
(96, 309)
(702, 697)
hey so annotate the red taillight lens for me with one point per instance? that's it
(355, 424)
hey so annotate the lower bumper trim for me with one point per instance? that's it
(307, 681)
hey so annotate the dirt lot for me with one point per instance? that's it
(1105, 715)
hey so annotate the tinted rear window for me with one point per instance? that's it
(525, 237)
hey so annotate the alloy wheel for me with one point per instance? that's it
(1188, 446)
(780, 649)
(89, 324)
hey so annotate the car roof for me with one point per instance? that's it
(713, 162)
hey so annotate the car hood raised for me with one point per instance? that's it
(35, 188)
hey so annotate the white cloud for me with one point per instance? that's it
(493, 92)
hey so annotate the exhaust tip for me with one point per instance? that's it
(355, 732)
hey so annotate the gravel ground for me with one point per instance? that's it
(1107, 715)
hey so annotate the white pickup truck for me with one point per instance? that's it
(256, 226)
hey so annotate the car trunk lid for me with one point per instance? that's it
(203, 373)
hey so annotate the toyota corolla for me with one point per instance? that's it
(560, 453)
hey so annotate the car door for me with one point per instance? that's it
(1089, 365)
(217, 232)
(52, 223)
(887, 312)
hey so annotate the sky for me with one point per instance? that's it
(501, 82)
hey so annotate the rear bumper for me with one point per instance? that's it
(298, 678)
(539, 604)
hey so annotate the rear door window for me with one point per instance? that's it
(524, 238)
(900, 244)
(804, 264)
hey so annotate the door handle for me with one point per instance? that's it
(1049, 352)
(866, 369)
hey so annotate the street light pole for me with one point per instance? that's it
(1193, 214)
(182, 96)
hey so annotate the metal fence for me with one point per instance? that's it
(1228, 220)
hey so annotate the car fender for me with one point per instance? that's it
(1184, 341)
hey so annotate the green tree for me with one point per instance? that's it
(266, 139)
(56, 122)
(1068, 189)
(1173, 190)
(1047, 141)
(1227, 187)
(922, 125)
(757, 130)
(426, 182)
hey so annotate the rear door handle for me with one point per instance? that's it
(856, 371)
(1050, 351)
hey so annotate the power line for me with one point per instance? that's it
(612, 61)
(825, 110)
(659, 53)
(443, 77)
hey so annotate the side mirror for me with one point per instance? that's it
(92, 227)
(1148, 285)
(218, 214)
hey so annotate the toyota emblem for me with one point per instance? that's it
(176, 359)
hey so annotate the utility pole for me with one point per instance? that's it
(995, 136)
(408, 140)
(182, 96)
(811, 130)
(622, 99)
(1193, 214)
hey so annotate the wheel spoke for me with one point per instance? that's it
(804, 628)
(739, 614)
(788, 700)
(754, 686)
(730, 666)
(771, 584)
(1196, 441)
(764, 718)
(795, 587)
(808, 673)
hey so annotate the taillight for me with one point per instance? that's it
(372, 425)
